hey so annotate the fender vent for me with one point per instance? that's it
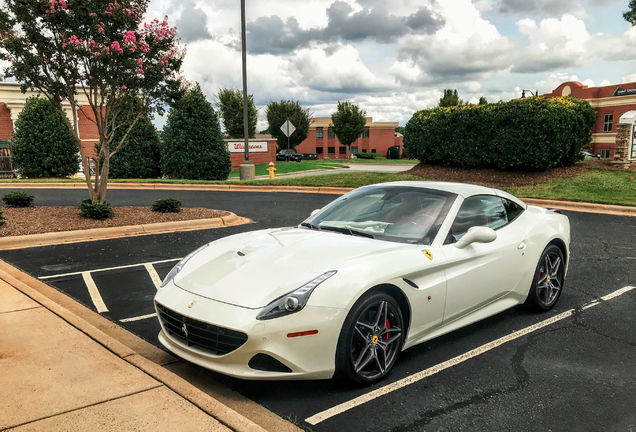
(264, 362)
(410, 282)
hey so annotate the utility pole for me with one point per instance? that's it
(247, 169)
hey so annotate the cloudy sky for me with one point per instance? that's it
(394, 57)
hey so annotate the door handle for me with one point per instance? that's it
(522, 245)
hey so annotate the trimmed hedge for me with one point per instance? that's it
(526, 134)
(368, 155)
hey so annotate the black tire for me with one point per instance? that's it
(548, 281)
(374, 346)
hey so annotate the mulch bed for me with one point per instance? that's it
(498, 179)
(38, 220)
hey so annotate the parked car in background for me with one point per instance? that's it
(288, 155)
(588, 154)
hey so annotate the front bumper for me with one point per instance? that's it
(308, 357)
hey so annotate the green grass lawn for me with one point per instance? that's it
(352, 180)
(595, 186)
(290, 167)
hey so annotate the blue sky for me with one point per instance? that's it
(394, 57)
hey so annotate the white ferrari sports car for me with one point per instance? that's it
(373, 273)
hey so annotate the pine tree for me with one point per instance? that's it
(140, 156)
(42, 144)
(193, 146)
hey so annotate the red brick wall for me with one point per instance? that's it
(87, 129)
(256, 158)
(6, 125)
(379, 140)
(584, 92)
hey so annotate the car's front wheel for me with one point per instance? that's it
(371, 339)
(548, 280)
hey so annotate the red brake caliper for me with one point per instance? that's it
(387, 335)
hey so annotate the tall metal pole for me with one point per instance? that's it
(245, 114)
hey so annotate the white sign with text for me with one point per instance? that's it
(255, 146)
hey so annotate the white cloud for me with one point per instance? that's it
(605, 83)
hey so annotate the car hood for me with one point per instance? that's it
(253, 270)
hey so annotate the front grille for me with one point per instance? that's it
(214, 339)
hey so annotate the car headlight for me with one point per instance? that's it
(294, 301)
(176, 269)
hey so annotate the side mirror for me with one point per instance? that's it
(314, 212)
(477, 234)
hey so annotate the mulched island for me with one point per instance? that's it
(501, 179)
(39, 220)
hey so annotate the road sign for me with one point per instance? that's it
(288, 128)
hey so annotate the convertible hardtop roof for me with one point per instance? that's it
(462, 189)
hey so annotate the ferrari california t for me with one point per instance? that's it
(375, 272)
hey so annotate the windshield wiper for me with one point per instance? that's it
(346, 230)
(308, 225)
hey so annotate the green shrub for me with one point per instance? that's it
(393, 152)
(140, 155)
(368, 155)
(168, 205)
(18, 199)
(96, 211)
(193, 146)
(42, 145)
(528, 134)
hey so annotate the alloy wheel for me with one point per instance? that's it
(376, 340)
(550, 278)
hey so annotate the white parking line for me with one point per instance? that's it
(138, 318)
(94, 292)
(339, 409)
(153, 275)
(106, 269)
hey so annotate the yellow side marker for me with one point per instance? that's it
(428, 254)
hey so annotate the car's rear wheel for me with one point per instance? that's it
(371, 339)
(548, 280)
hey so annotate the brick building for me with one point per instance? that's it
(376, 138)
(610, 103)
(12, 101)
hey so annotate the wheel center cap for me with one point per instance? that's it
(374, 340)
(548, 278)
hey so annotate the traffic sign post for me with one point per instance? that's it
(288, 128)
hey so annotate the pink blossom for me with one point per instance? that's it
(140, 63)
(100, 30)
(64, 45)
(74, 40)
(92, 13)
(123, 87)
(129, 37)
(63, 4)
(97, 53)
(141, 71)
(90, 76)
(115, 46)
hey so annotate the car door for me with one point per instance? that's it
(482, 272)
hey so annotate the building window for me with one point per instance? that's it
(607, 124)
(372, 150)
(319, 133)
(330, 134)
(605, 153)
(364, 150)
(343, 150)
(331, 150)
(365, 134)
(319, 150)
(354, 149)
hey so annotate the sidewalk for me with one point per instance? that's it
(54, 377)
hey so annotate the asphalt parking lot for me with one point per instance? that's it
(573, 368)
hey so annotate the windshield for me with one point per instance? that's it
(392, 213)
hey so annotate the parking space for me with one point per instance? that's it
(573, 368)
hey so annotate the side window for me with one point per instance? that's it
(481, 210)
(512, 209)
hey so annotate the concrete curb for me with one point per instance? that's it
(582, 207)
(47, 239)
(209, 405)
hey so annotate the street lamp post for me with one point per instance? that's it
(247, 169)
(523, 93)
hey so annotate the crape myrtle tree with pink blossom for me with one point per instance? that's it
(98, 49)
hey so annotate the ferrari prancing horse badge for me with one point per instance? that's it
(428, 254)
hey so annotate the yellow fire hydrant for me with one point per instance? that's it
(271, 170)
